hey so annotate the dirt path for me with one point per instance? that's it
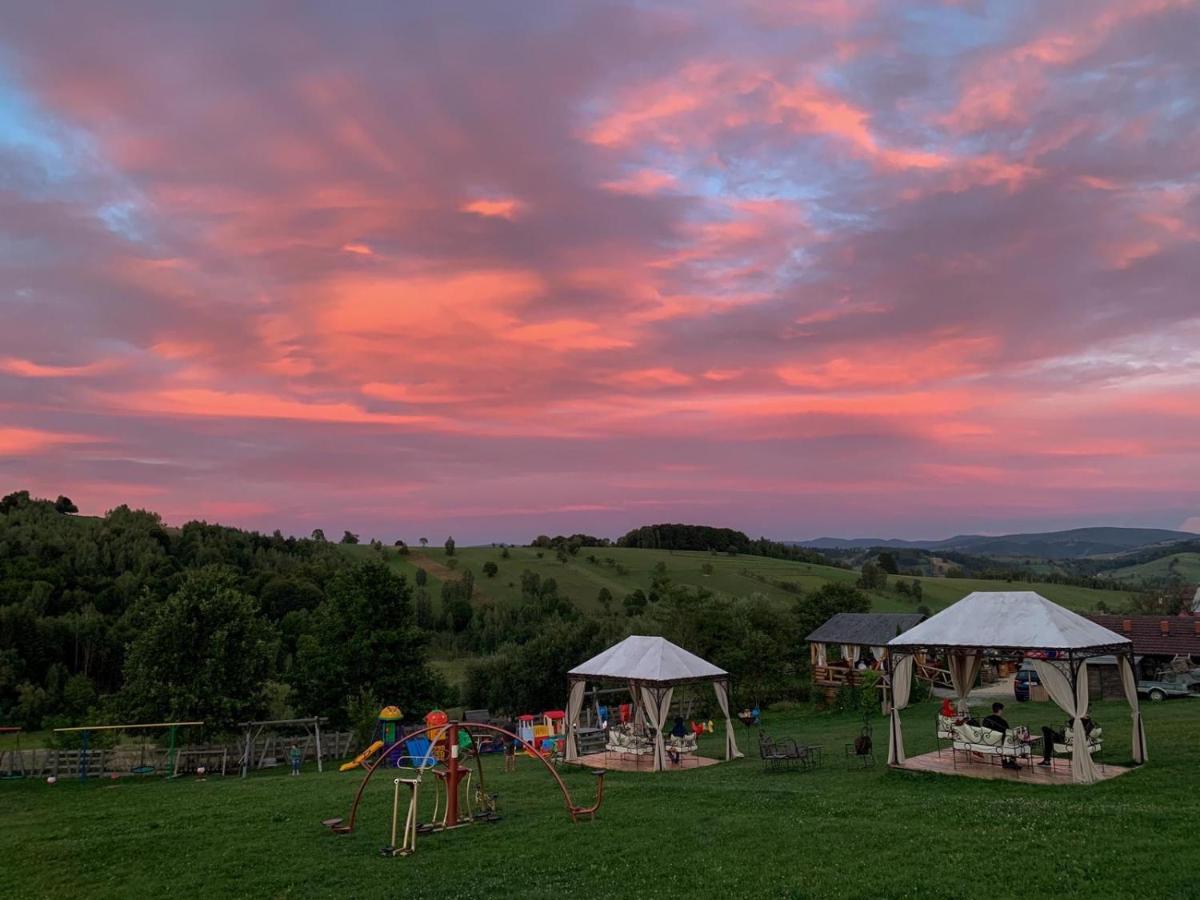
(444, 573)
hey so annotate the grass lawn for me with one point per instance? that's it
(728, 830)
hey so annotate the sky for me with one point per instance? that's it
(496, 269)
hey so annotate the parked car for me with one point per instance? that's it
(1170, 684)
(1022, 682)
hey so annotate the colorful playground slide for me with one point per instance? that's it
(358, 760)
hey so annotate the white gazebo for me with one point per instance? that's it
(652, 667)
(1015, 624)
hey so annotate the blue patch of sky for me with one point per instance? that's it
(122, 217)
(952, 30)
(30, 131)
(65, 161)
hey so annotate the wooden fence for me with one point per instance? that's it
(42, 762)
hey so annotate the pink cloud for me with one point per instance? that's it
(571, 267)
(25, 368)
(497, 208)
(22, 441)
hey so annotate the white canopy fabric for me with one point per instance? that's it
(1011, 622)
(648, 665)
(651, 660)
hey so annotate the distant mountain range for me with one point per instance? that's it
(1076, 543)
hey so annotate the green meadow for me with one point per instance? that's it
(725, 831)
(582, 580)
(622, 570)
(1181, 565)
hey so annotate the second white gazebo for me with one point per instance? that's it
(1015, 624)
(652, 667)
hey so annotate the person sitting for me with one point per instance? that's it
(997, 722)
(1050, 737)
(678, 731)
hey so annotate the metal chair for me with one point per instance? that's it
(860, 754)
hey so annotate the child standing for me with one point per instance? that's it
(295, 755)
(510, 749)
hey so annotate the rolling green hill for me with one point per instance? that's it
(630, 569)
(1181, 565)
(1074, 543)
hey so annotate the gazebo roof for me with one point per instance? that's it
(1008, 621)
(864, 629)
(650, 660)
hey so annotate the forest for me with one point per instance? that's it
(122, 618)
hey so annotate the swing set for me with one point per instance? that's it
(143, 767)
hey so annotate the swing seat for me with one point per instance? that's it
(143, 770)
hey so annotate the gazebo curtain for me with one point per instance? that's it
(574, 707)
(964, 669)
(850, 653)
(1129, 682)
(722, 692)
(1073, 700)
(902, 669)
(639, 708)
(819, 656)
(657, 705)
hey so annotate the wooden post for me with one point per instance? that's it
(452, 776)
(317, 723)
(247, 753)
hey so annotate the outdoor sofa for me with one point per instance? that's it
(997, 745)
(1067, 745)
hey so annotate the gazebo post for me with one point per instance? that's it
(891, 725)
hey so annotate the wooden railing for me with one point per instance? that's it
(935, 676)
(836, 676)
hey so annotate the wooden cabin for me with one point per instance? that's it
(839, 646)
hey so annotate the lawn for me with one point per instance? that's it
(728, 830)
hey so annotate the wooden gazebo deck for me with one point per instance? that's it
(1059, 773)
(628, 762)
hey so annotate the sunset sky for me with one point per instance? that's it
(492, 269)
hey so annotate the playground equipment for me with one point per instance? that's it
(15, 759)
(389, 729)
(458, 737)
(265, 742)
(358, 760)
(85, 731)
(409, 845)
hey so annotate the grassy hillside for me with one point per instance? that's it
(1182, 565)
(581, 580)
(724, 831)
(1075, 543)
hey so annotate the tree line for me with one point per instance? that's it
(121, 618)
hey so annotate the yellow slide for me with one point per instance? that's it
(358, 760)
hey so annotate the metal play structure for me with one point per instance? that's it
(12, 761)
(264, 745)
(143, 767)
(450, 779)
